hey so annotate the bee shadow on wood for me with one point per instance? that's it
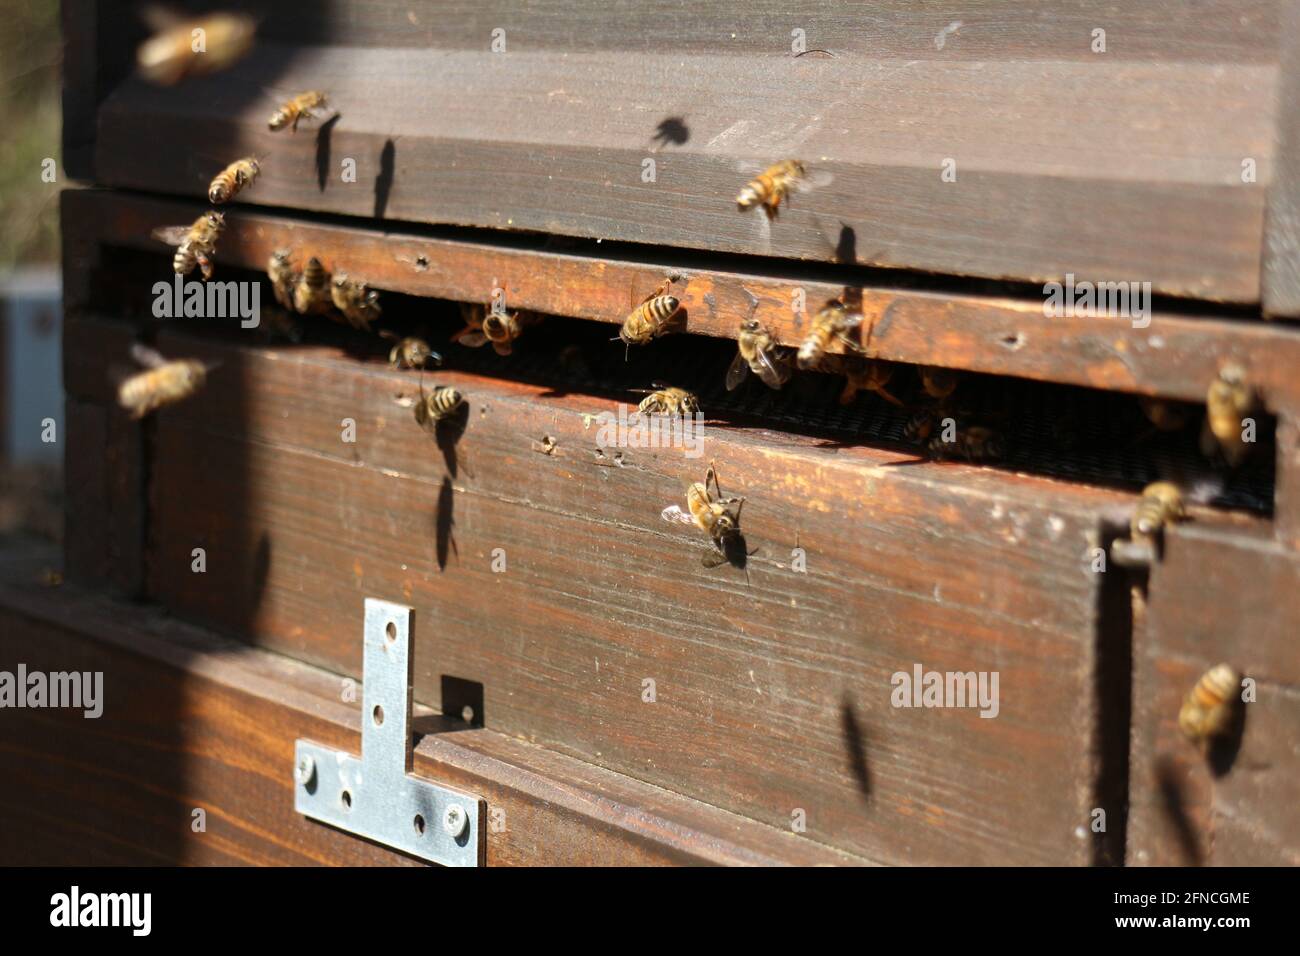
(384, 180)
(447, 434)
(855, 741)
(1221, 752)
(323, 151)
(672, 129)
(444, 538)
(1174, 802)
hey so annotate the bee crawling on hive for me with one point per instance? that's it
(297, 109)
(973, 443)
(283, 278)
(409, 352)
(669, 401)
(311, 290)
(833, 321)
(1228, 402)
(757, 352)
(653, 317)
(433, 408)
(162, 382)
(715, 515)
(358, 303)
(195, 244)
(493, 323)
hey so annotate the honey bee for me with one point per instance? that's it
(667, 400)
(771, 186)
(227, 183)
(938, 383)
(1161, 504)
(410, 352)
(170, 55)
(298, 108)
(832, 321)
(311, 293)
(973, 443)
(1230, 399)
(1165, 416)
(283, 279)
(757, 352)
(1209, 708)
(162, 382)
(651, 318)
(865, 375)
(195, 244)
(484, 324)
(357, 301)
(708, 510)
(437, 405)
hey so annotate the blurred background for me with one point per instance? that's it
(31, 393)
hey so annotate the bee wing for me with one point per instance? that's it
(390, 336)
(172, 235)
(814, 179)
(675, 513)
(502, 348)
(737, 372)
(772, 374)
(472, 337)
(146, 356)
(405, 401)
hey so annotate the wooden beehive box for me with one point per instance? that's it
(611, 697)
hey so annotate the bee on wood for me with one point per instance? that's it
(667, 400)
(1209, 708)
(195, 244)
(1229, 400)
(757, 352)
(708, 510)
(410, 352)
(493, 323)
(974, 443)
(279, 270)
(770, 187)
(227, 183)
(162, 382)
(357, 301)
(651, 318)
(311, 292)
(865, 375)
(437, 405)
(1161, 504)
(938, 383)
(170, 55)
(832, 321)
(296, 109)
(1165, 416)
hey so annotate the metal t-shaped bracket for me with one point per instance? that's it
(376, 796)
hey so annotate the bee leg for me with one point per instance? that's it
(205, 266)
(849, 393)
(880, 390)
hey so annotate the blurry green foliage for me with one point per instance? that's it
(30, 58)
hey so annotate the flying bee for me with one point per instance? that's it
(757, 352)
(667, 400)
(358, 302)
(1161, 504)
(195, 244)
(227, 183)
(651, 318)
(865, 375)
(973, 443)
(161, 383)
(708, 510)
(283, 279)
(298, 108)
(1229, 400)
(169, 56)
(311, 291)
(938, 383)
(1165, 416)
(410, 352)
(1210, 707)
(437, 405)
(832, 321)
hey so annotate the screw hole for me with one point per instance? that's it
(346, 797)
(378, 714)
(419, 825)
(391, 631)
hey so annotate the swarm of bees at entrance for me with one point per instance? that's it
(313, 291)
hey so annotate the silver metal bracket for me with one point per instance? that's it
(375, 795)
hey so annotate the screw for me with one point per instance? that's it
(454, 821)
(306, 769)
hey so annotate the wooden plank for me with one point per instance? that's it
(773, 695)
(1280, 292)
(1176, 356)
(80, 20)
(554, 139)
(191, 721)
(1241, 811)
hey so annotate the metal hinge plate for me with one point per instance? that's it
(375, 795)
